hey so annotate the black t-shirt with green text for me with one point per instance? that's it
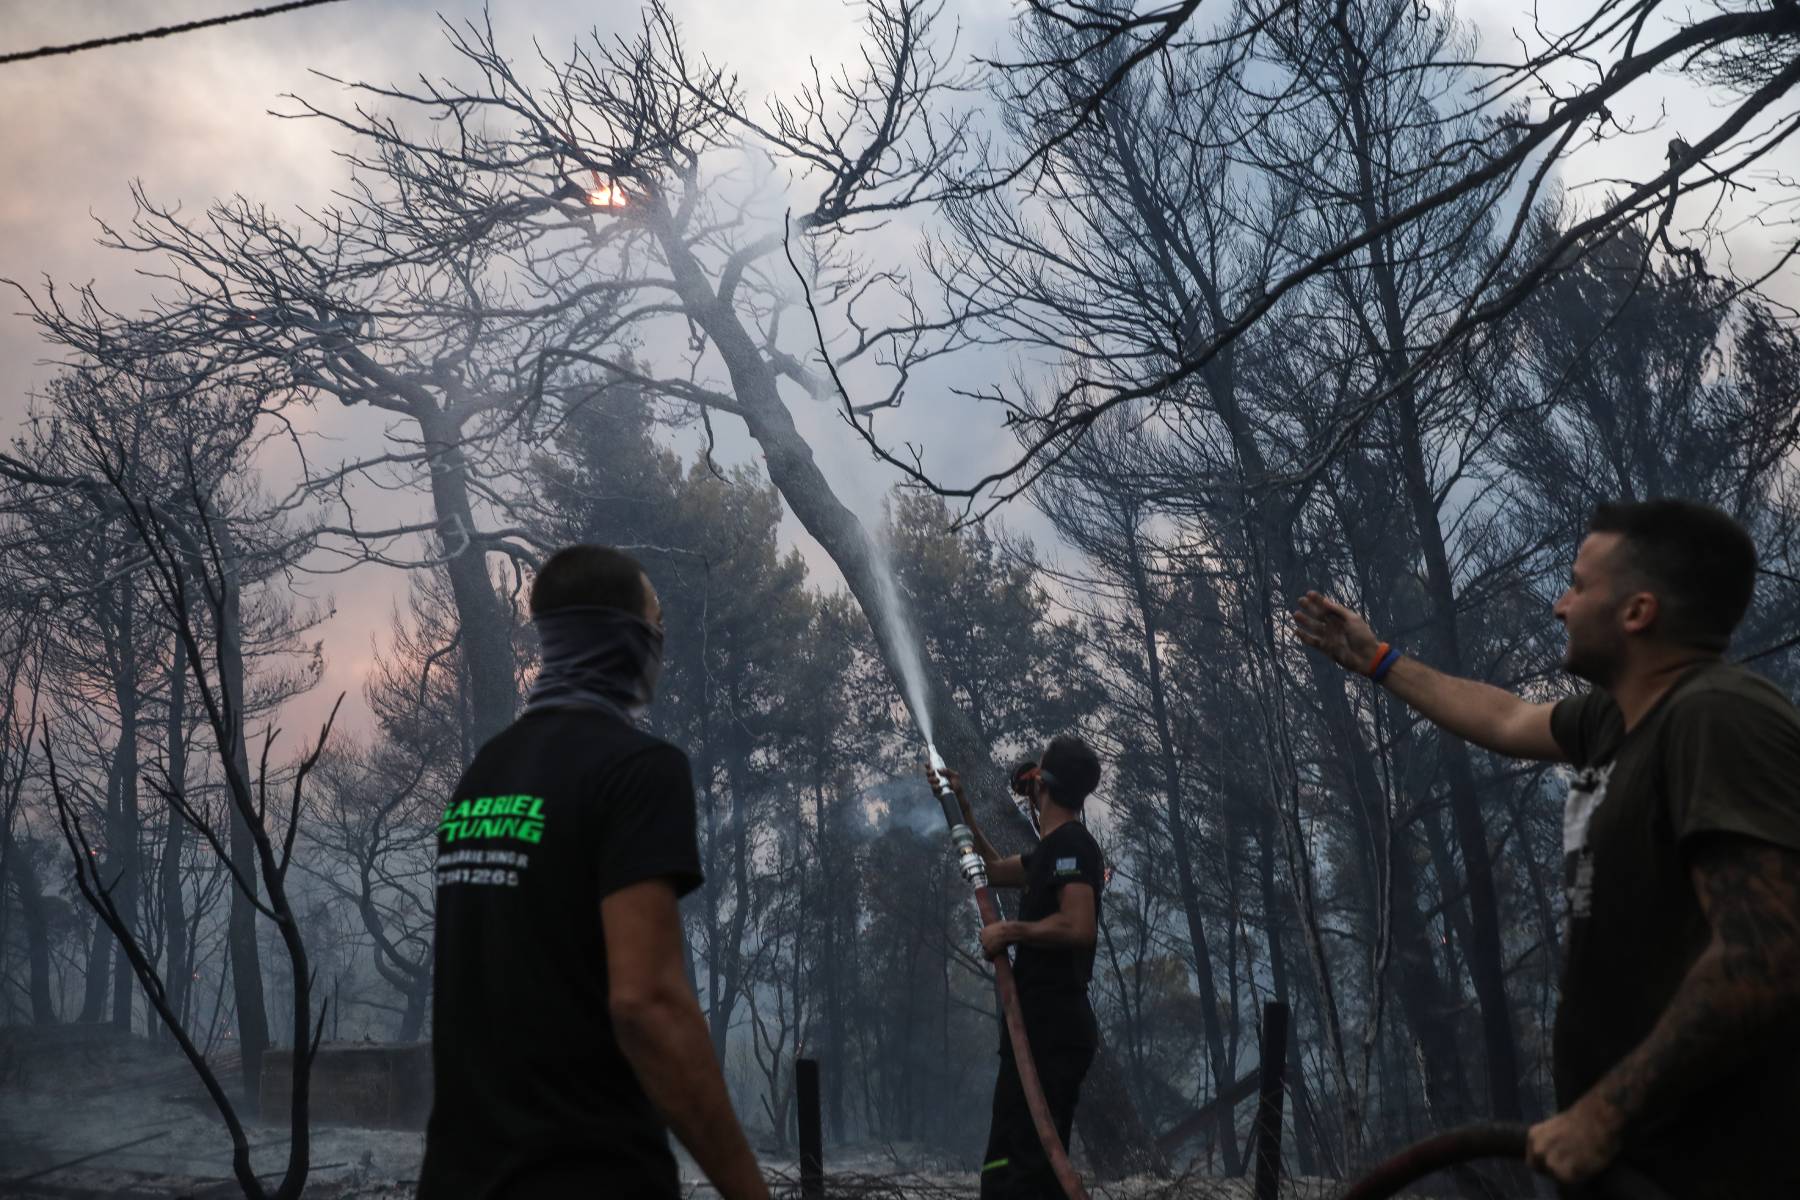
(561, 809)
(1053, 980)
(1718, 754)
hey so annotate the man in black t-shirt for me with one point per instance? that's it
(1059, 919)
(1677, 1042)
(566, 1036)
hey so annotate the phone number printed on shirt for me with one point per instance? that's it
(491, 868)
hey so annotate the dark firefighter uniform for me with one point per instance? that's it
(1053, 999)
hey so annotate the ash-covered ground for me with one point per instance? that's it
(67, 1092)
(86, 1113)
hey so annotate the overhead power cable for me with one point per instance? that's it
(164, 31)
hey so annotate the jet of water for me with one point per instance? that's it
(897, 621)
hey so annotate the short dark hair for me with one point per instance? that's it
(1699, 562)
(584, 576)
(1073, 768)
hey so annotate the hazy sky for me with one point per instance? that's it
(188, 116)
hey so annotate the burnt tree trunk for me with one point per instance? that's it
(176, 972)
(838, 902)
(1486, 963)
(710, 888)
(98, 976)
(246, 955)
(122, 780)
(809, 496)
(482, 624)
(1223, 1071)
(412, 1017)
(1428, 1003)
(1268, 533)
(35, 917)
(1273, 910)
(737, 773)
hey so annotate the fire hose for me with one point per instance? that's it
(1452, 1148)
(1488, 1140)
(974, 870)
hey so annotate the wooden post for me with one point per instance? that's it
(1268, 1106)
(812, 1150)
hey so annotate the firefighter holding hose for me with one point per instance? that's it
(1059, 920)
(1677, 1040)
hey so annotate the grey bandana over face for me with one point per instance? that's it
(596, 658)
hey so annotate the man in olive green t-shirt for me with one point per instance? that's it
(1677, 1043)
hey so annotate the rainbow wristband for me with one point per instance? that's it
(1386, 663)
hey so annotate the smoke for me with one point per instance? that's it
(901, 803)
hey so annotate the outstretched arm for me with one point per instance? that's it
(1491, 717)
(662, 1033)
(1741, 994)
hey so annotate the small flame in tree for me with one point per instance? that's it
(605, 194)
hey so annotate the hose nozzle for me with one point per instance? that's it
(945, 794)
(961, 836)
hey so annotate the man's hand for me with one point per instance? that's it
(996, 938)
(1342, 635)
(956, 786)
(1576, 1144)
(1484, 714)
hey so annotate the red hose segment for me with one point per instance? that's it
(1490, 1140)
(1028, 1076)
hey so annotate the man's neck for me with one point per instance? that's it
(1053, 816)
(1641, 684)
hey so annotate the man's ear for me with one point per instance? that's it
(1639, 612)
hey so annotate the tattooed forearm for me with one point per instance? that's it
(1744, 988)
